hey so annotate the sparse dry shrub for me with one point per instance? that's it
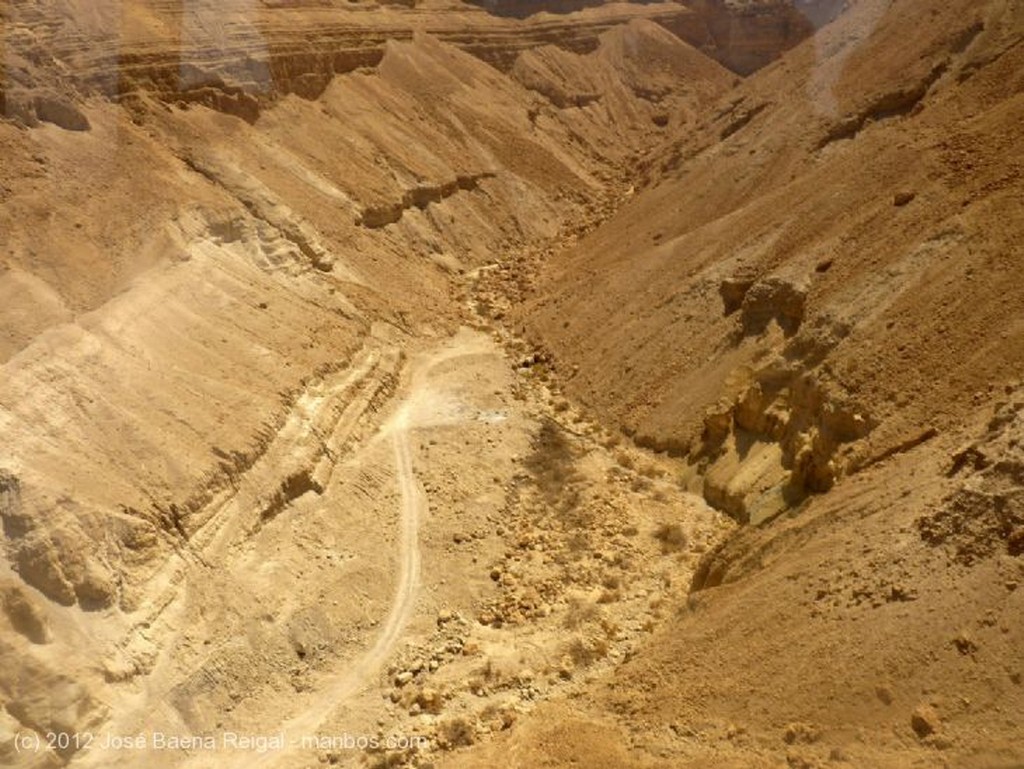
(672, 537)
(610, 627)
(651, 471)
(579, 543)
(552, 466)
(641, 484)
(570, 503)
(625, 460)
(392, 760)
(456, 733)
(585, 652)
(579, 613)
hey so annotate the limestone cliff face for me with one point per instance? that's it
(242, 56)
(239, 57)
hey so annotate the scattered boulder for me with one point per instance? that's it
(733, 290)
(964, 643)
(775, 298)
(924, 721)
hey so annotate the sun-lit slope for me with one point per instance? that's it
(830, 266)
(240, 56)
(640, 81)
(818, 302)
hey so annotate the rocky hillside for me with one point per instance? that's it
(240, 60)
(815, 303)
(221, 232)
(770, 322)
(404, 365)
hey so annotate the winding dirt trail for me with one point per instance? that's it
(430, 394)
(420, 405)
(354, 678)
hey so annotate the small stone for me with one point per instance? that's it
(403, 678)
(964, 644)
(924, 721)
(902, 198)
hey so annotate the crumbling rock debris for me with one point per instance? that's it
(733, 290)
(986, 512)
(777, 299)
(23, 614)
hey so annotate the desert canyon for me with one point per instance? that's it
(512, 383)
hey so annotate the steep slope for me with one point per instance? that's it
(768, 299)
(816, 303)
(242, 57)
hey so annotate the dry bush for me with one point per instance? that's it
(612, 581)
(552, 463)
(586, 652)
(641, 484)
(579, 613)
(672, 537)
(652, 471)
(456, 733)
(579, 544)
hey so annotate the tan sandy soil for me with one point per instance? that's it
(538, 389)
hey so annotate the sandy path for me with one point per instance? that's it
(422, 401)
(352, 680)
(420, 404)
